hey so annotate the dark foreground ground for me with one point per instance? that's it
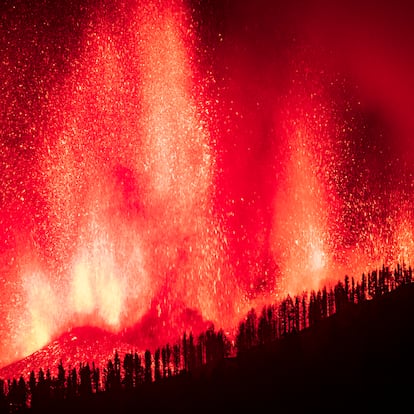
(359, 360)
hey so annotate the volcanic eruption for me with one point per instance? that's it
(170, 164)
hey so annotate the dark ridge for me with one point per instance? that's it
(360, 359)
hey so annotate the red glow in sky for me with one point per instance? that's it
(165, 164)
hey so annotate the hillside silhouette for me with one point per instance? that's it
(342, 350)
(358, 360)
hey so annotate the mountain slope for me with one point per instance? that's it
(359, 360)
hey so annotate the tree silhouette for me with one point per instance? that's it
(21, 393)
(117, 371)
(12, 396)
(85, 386)
(211, 344)
(128, 366)
(157, 364)
(313, 309)
(290, 314)
(200, 349)
(340, 297)
(346, 286)
(148, 366)
(192, 359)
(176, 358)
(241, 342)
(109, 374)
(304, 311)
(33, 390)
(373, 284)
(263, 328)
(251, 328)
(352, 294)
(168, 359)
(324, 303)
(223, 346)
(72, 384)
(283, 319)
(17, 395)
(271, 318)
(185, 351)
(331, 302)
(363, 287)
(48, 385)
(60, 382)
(164, 362)
(95, 377)
(43, 389)
(297, 314)
(138, 370)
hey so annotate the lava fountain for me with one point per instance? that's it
(300, 232)
(125, 171)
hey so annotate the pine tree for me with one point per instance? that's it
(85, 387)
(297, 314)
(138, 371)
(117, 371)
(96, 377)
(168, 359)
(304, 311)
(241, 342)
(32, 389)
(185, 352)
(191, 353)
(128, 366)
(12, 396)
(148, 366)
(21, 395)
(176, 358)
(164, 362)
(109, 376)
(251, 328)
(60, 382)
(157, 364)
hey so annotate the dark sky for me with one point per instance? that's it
(370, 42)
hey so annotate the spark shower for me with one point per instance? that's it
(170, 163)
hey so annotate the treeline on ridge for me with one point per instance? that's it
(189, 354)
